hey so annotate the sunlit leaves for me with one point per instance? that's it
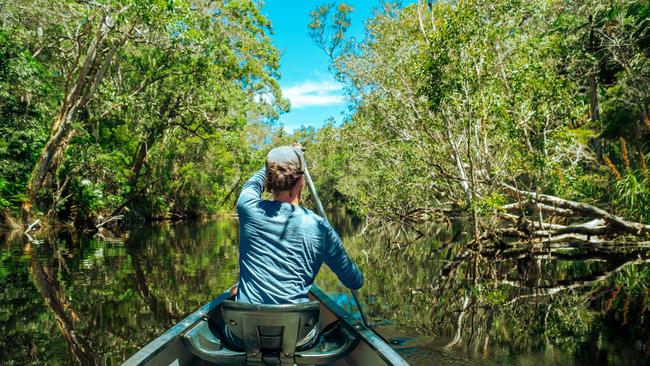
(328, 24)
(164, 127)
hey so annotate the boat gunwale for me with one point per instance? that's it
(161, 342)
(367, 335)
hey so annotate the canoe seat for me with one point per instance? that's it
(204, 341)
(269, 334)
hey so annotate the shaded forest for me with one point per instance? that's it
(529, 118)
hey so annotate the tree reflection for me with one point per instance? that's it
(488, 301)
(46, 281)
(440, 299)
(108, 299)
(161, 310)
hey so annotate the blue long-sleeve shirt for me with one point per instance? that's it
(282, 247)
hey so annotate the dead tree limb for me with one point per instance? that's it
(613, 224)
(537, 207)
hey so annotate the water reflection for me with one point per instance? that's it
(107, 299)
(493, 305)
(71, 300)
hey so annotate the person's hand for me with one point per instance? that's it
(233, 290)
(297, 145)
(301, 154)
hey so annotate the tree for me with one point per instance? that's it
(136, 78)
(25, 100)
(456, 102)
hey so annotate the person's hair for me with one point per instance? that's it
(281, 177)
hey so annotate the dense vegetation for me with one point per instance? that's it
(138, 106)
(484, 106)
(531, 120)
(528, 119)
(161, 109)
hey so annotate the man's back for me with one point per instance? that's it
(282, 247)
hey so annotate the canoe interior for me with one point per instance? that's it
(169, 349)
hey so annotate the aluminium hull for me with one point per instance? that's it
(169, 349)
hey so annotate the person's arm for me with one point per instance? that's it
(338, 260)
(251, 192)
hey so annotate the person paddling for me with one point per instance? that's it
(282, 244)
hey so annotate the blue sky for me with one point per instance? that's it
(305, 78)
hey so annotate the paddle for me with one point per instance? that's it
(321, 211)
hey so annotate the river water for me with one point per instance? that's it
(68, 300)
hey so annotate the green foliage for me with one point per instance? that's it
(328, 25)
(488, 204)
(620, 116)
(452, 99)
(632, 196)
(624, 71)
(160, 131)
(25, 99)
(491, 295)
(568, 326)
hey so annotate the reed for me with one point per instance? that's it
(625, 154)
(644, 167)
(611, 167)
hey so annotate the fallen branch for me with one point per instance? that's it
(110, 219)
(530, 224)
(612, 223)
(537, 207)
(30, 227)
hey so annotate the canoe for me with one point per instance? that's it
(344, 340)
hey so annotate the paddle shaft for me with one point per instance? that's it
(321, 211)
(314, 196)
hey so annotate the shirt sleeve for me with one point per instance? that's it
(251, 192)
(338, 260)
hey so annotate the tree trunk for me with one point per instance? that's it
(91, 73)
(166, 113)
(43, 165)
(594, 110)
(464, 182)
(138, 162)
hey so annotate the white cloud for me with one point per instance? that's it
(310, 93)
